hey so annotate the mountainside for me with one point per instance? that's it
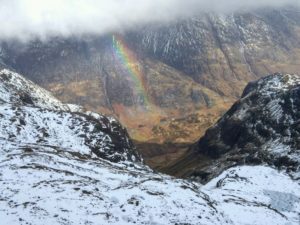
(261, 128)
(62, 165)
(31, 115)
(165, 83)
(225, 52)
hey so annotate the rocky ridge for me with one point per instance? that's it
(261, 128)
(31, 115)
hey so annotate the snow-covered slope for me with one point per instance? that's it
(45, 185)
(31, 115)
(55, 186)
(256, 195)
(16, 89)
(59, 166)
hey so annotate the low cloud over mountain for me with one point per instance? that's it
(28, 19)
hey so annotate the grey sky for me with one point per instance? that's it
(27, 19)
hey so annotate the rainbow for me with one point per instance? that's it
(130, 65)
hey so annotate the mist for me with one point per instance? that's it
(30, 19)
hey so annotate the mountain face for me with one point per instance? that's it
(224, 52)
(91, 73)
(62, 165)
(261, 128)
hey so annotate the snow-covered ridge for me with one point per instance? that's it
(31, 115)
(271, 84)
(27, 125)
(14, 88)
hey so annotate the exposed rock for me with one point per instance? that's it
(261, 128)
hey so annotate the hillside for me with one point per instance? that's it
(260, 128)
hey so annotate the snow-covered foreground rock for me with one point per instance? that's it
(61, 165)
(55, 186)
(49, 186)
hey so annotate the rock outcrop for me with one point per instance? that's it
(261, 128)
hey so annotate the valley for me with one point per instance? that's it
(166, 83)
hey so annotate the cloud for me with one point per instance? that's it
(28, 19)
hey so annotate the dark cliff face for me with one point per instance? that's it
(262, 127)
